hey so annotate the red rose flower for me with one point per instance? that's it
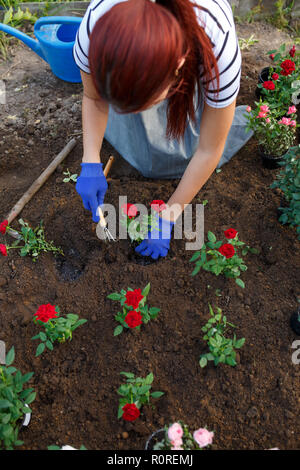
(3, 226)
(293, 51)
(230, 233)
(3, 250)
(275, 76)
(130, 210)
(227, 250)
(45, 313)
(158, 205)
(133, 319)
(131, 412)
(272, 56)
(288, 67)
(269, 85)
(133, 298)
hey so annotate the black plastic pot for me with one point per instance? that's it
(262, 77)
(295, 322)
(154, 438)
(270, 161)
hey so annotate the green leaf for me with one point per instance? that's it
(40, 349)
(5, 404)
(149, 379)
(240, 343)
(10, 357)
(115, 296)
(49, 345)
(146, 290)
(211, 237)
(203, 362)
(43, 336)
(240, 282)
(129, 375)
(195, 256)
(157, 394)
(31, 398)
(118, 330)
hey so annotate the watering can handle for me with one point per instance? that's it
(56, 20)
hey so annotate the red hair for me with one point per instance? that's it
(135, 50)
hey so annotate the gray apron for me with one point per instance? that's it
(141, 139)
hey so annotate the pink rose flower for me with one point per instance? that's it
(262, 115)
(285, 121)
(175, 432)
(265, 108)
(293, 123)
(292, 110)
(177, 444)
(248, 109)
(203, 437)
(268, 120)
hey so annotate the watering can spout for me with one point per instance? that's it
(33, 44)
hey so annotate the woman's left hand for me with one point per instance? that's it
(158, 242)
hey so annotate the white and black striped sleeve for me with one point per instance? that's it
(219, 26)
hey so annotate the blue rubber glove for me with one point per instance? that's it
(158, 241)
(91, 187)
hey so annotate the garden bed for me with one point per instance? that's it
(252, 406)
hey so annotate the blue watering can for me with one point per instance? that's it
(55, 39)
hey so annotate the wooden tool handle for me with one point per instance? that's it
(108, 166)
(40, 181)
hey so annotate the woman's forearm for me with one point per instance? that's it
(94, 122)
(195, 176)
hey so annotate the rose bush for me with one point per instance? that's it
(135, 310)
(178, 437)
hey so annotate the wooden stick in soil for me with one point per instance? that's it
(37, 184)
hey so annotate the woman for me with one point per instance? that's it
(160, 83)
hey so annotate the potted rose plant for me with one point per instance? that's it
(276, 83)
(275, 136)
(135, 310)
(135, 393)
(14, 402)
(177, 436)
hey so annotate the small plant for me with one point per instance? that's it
(70, 177)
(221, 258)
(288, 181)
(178, 437)
(221, 349)
(274, 135)
(245, 44)
(135, 393)
(14, 401)
(138, 229)
(135, 311)
(33, 239)
(57, 328)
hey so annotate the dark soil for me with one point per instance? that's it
(252, 406)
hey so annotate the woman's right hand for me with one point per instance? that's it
(91, 187)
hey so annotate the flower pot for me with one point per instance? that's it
(26, 419)
(154, 438)
(295, 323)
(262, 77)
(270, 161)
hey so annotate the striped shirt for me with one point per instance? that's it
(216, 18)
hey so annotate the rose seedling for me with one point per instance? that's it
(218, 257)
(33, 239)
(135, 310)
(178, 437)
(14, 401)
(135, 393)
(222, 349)
(56, 328)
